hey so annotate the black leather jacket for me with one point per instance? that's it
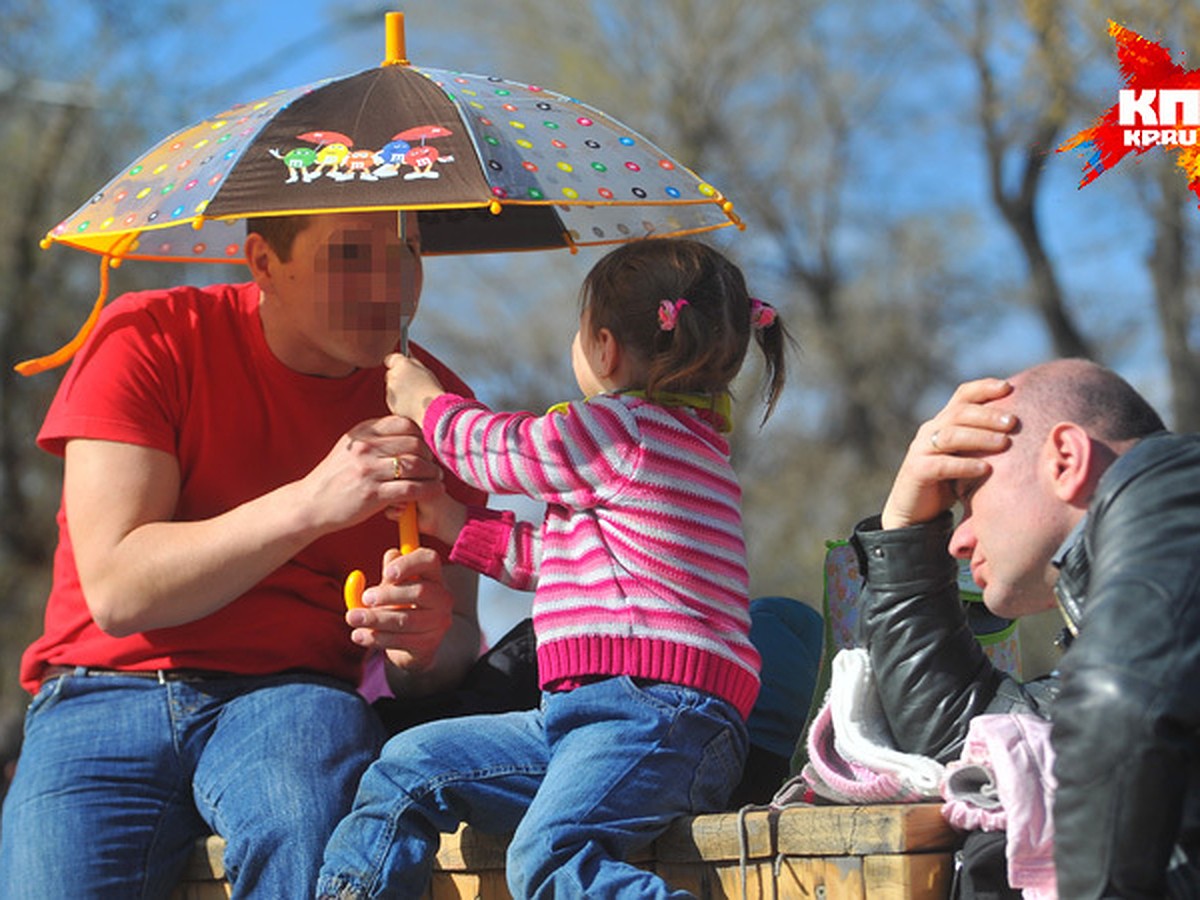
(1126, 700)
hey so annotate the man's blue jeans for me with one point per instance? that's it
(592, 776)
(119, 775)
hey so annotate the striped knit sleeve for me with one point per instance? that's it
(497, 544)
(577, 459)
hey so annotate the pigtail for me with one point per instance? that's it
(773, 340)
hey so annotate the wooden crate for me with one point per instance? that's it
(830, 852)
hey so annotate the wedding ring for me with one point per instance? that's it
(933, 440)
(396, 473)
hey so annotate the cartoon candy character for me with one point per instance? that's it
(391, 156)
(297, 162)
(423, 157)
(330, 159)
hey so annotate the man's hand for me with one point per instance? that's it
(377, 464)
(941, 453)
(408, 613)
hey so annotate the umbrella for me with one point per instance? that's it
(490, 164)
(487, 163)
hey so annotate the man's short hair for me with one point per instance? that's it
(1090, 395)
(278, 231)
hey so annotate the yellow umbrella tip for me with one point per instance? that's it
(394, 40)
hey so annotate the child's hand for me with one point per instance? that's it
(410, 387)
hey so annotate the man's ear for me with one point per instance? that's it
(1074, 463)
(261, 260)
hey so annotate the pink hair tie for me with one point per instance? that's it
(762, 313)
(668, 313)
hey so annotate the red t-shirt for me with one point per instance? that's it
(188, 371)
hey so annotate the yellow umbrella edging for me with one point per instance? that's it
(114, 247)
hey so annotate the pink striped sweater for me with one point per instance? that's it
(639, 567)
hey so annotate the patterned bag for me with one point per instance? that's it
(997, 636)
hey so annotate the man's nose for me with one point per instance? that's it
(962, 539)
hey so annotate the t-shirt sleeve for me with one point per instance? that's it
(122, 386)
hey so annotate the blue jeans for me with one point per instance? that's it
(592, 776)
(119, 775)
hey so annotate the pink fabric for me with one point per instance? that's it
(1016, 749)
(853, 757)
(834, 777)
(374, 682)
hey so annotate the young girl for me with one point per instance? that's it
(640, 608)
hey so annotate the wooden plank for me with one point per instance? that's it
(468, 886)
(921, 876)
(469, 850)
(809, 831)
(840, 852)
(884, 877)
(829, 877)
(207, 862)
(204, 876)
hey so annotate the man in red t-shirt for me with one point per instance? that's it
(228, 459)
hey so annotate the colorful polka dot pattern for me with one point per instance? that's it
(173, 184)
(540, 146)
(606, 182)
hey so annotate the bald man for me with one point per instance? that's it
(1073, 492)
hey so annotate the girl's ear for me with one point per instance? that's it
(608, 353)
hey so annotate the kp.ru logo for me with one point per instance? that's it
(1159, 108)
(1166, 117)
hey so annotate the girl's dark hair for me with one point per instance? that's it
(705, 349)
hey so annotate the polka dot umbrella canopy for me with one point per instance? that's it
(490, 164)
(487, 164)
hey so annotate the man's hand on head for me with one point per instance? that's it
(946, 451)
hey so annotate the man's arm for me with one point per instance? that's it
(1126, 723)
(931, 673)
(141, 569)
(933, 677)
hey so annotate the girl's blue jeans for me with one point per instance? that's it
(119, 775)
(593, 775)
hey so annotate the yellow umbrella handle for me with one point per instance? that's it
(410, 540)
(352, 590)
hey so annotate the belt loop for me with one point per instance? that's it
(162, 678)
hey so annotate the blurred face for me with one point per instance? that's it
(337, 304)
(1012, 525)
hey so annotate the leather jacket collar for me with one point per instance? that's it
(1071, 588)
